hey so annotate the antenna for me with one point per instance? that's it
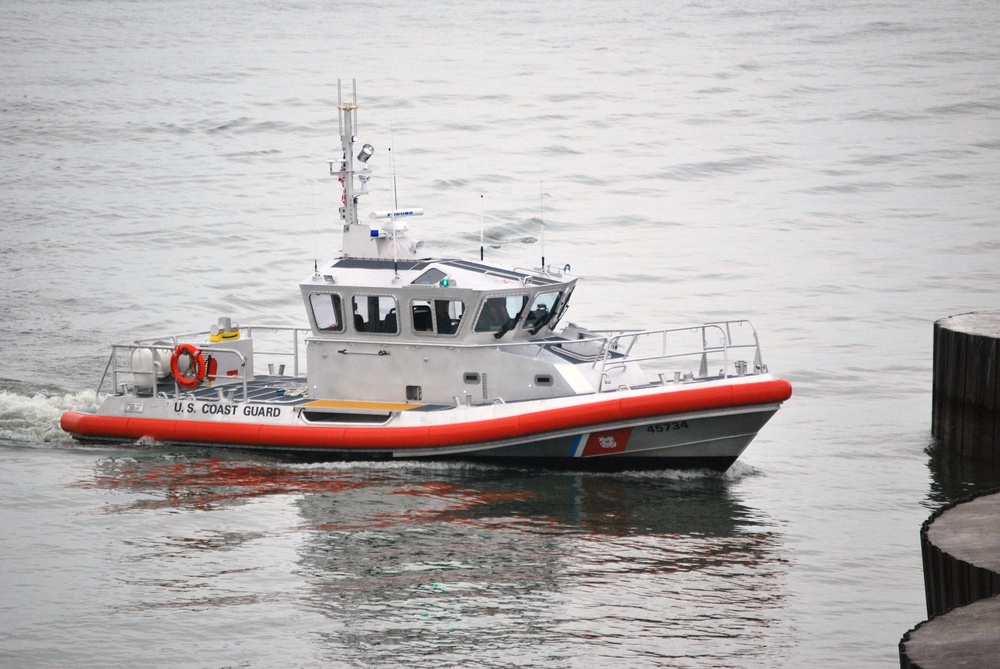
(395, 204)
(541, 213)
(481, 227)
(392, 165)
(340, 102)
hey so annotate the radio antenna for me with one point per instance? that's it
(395, 204)
(541, 213)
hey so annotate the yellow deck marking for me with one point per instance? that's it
(350, 404)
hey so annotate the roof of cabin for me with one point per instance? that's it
(367, 272)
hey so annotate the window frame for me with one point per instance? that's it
(550, 312)
(435, 330)
(498, 327)
(337, 306)
(367, 297)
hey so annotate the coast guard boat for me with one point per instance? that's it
(409, 357)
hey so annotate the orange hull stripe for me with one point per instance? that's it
(428, 436)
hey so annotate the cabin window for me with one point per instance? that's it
(375, 313)
(541, 311)
(437, 316)
(500, 314)
(327, 312)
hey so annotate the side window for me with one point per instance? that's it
(375, 313)
(420, 311)
(499, 314)
(327, 312)
(447, 316)
(437, 316)
(541, 311)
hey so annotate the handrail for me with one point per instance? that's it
(130, 348)
(610, 345)
(170, 342)
(607, 362)
(606, 350)
(614, 346)
(248, 330)
(605, 337)
(100, 383)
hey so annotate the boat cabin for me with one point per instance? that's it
(444, 329)
(426, 300)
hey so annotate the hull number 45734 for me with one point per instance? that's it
(667, 427)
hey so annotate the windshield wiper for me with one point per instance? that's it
(507, 327)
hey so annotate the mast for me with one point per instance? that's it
(357, 237)
(360, 241)
(348, 117)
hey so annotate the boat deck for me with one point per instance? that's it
(291, 391)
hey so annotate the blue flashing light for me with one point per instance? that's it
(373, 233)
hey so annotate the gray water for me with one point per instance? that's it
(825, 169)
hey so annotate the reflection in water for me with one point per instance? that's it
(954, 477)
(512, 562)
(433, 562)
(188, 481)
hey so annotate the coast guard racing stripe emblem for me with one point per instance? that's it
(601, 443)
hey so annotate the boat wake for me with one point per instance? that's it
(737, 472)
(30, 414)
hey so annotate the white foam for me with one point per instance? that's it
(738, 471)
(35, 418)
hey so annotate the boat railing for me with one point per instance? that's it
(717, 349)
(158, 380)
(709, 350)
(609, 349)
(727, 346)
(257, 333)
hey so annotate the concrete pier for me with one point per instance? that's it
(966, 392)
(966, 637)
(960, 545)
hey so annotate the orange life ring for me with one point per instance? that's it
(196, 366)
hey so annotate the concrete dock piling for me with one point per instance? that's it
(966, 392)
(960, 543)
(960, 546)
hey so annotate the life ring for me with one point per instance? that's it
(196, 366)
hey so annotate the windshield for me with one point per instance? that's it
(500, 314)
(541, 311)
